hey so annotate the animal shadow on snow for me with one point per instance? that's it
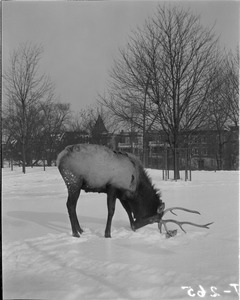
(60, 222)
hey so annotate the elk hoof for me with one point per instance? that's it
(133, 228)
(76, 234)
(107, 235)
(80, 230)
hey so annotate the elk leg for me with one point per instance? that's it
(71, 206)
(111, 202)
(128, 210)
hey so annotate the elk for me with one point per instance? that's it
(95, 168)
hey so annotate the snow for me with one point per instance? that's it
(41, 260)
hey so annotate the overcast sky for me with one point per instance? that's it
(81, 39)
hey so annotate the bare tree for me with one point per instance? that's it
(223, 103)
(183, 73)
(128, 96)
(85, 120)
(218, 114)
(24, 88)
(55, 119)
(231, 86)
(12, 130)
(76, 124)
(168, 65)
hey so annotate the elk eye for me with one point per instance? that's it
(161, 208)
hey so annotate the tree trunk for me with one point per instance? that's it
(23, 158)
(49, 159)
(176, 163)
(145, 152)
(220, 156)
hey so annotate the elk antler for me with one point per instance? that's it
(180, 208)
(163, 222)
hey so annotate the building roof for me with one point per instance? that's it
(99, 127)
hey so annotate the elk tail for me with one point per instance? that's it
(63, 155)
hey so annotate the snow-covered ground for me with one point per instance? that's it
(41, 260)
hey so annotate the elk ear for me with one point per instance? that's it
(161, 208)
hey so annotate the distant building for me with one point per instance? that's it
(99, 133)
(203, 150)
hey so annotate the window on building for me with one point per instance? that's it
(204, 151)
(195, 151)
(127, 140)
